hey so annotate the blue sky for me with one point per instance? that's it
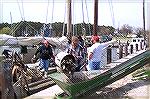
(111, 12)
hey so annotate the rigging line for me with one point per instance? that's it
(52, 12)
(83, 25)
(88, 17)
(112, 12)
(64, 21)
(23, 10)
(15, 28)
(32, 27)
(73, 18)
(47, 11)
(11, 19)
(19, 9)
(82, 12)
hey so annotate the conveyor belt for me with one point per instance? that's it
(87, 82)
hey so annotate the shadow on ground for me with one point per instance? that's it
(117, 93)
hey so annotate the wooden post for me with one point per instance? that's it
(126, 49)
(120, 51)
(114, 55)
(95, 17)
(6, 79)
(131, 49)
(136, 45)
(141, 46)
(108, 55)
(1, 78)
(69, 23)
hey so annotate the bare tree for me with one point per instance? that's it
(126, 29)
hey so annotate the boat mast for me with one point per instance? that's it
(69, 15)
(1, 11)
(11, 20)
(95, 17)
(148, 23)
(148, 16)
(144, 15)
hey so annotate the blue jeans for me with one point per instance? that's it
(94, 65)
(44, 64)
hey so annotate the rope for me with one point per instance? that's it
(112, 12)
(20, 10)
(50, 25)
(52, 12)
(88, 18)
(15, 28)
(23, 10)
(112, 16)
(32, 27)
(47, 11)
(73, 21)
(83, 25)
(82, 12)
(52, 19)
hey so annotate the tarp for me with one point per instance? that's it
(10, 40)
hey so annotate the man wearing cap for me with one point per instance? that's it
(45, 54)
(95, 53)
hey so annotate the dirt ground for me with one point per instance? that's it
(124, 88)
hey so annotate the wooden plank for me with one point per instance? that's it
(48, 93)
(1, 75)
(7, 91)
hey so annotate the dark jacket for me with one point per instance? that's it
(45, 52)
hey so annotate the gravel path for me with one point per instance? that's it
(124, 88)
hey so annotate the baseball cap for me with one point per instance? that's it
(96, 38)
(45, 42)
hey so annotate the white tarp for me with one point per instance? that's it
(7, 40)
(10, 40)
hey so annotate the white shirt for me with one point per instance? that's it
(97, 50)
